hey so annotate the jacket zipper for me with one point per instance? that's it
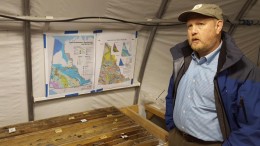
(225, 127)
(242, 104)
(180, 73)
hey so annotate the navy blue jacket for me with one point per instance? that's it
(236, 89)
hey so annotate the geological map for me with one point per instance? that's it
(71, 67)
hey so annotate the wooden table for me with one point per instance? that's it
(152, 110)
(105, 126)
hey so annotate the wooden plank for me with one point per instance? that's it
(130, 136)
(69, 132)
(134, 108)
(33, 126)
(152, 142)
(108, 126)
(118, 138)
(90, 135)
(93, 140)
(153, 110)
(151, 127)
(126, 143)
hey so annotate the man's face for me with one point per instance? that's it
(204, 34)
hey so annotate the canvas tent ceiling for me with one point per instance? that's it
(13, 100)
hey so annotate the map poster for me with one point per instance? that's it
(69, 63)
(115, 59)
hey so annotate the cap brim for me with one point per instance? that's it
(183, 17)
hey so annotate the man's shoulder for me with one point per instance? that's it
(245, 69)
(178, 49)
(252, 68)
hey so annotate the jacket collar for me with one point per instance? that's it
(229, 53)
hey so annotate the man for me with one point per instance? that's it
(214, 92)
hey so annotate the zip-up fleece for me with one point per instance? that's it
(236, 90)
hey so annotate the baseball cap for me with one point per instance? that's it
(210, 10)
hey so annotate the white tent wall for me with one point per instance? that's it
(13, 98)
(159, 67)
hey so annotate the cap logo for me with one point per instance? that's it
(197, 6)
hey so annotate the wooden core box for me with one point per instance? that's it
(100, 127)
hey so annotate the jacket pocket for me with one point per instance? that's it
(243, 108)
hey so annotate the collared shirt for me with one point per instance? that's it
(195, 110)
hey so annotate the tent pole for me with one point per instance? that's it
(27, 47)
(147, 50)
(247, 4)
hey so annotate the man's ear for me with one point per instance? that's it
(219, 26)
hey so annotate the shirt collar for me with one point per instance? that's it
(208, 58)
